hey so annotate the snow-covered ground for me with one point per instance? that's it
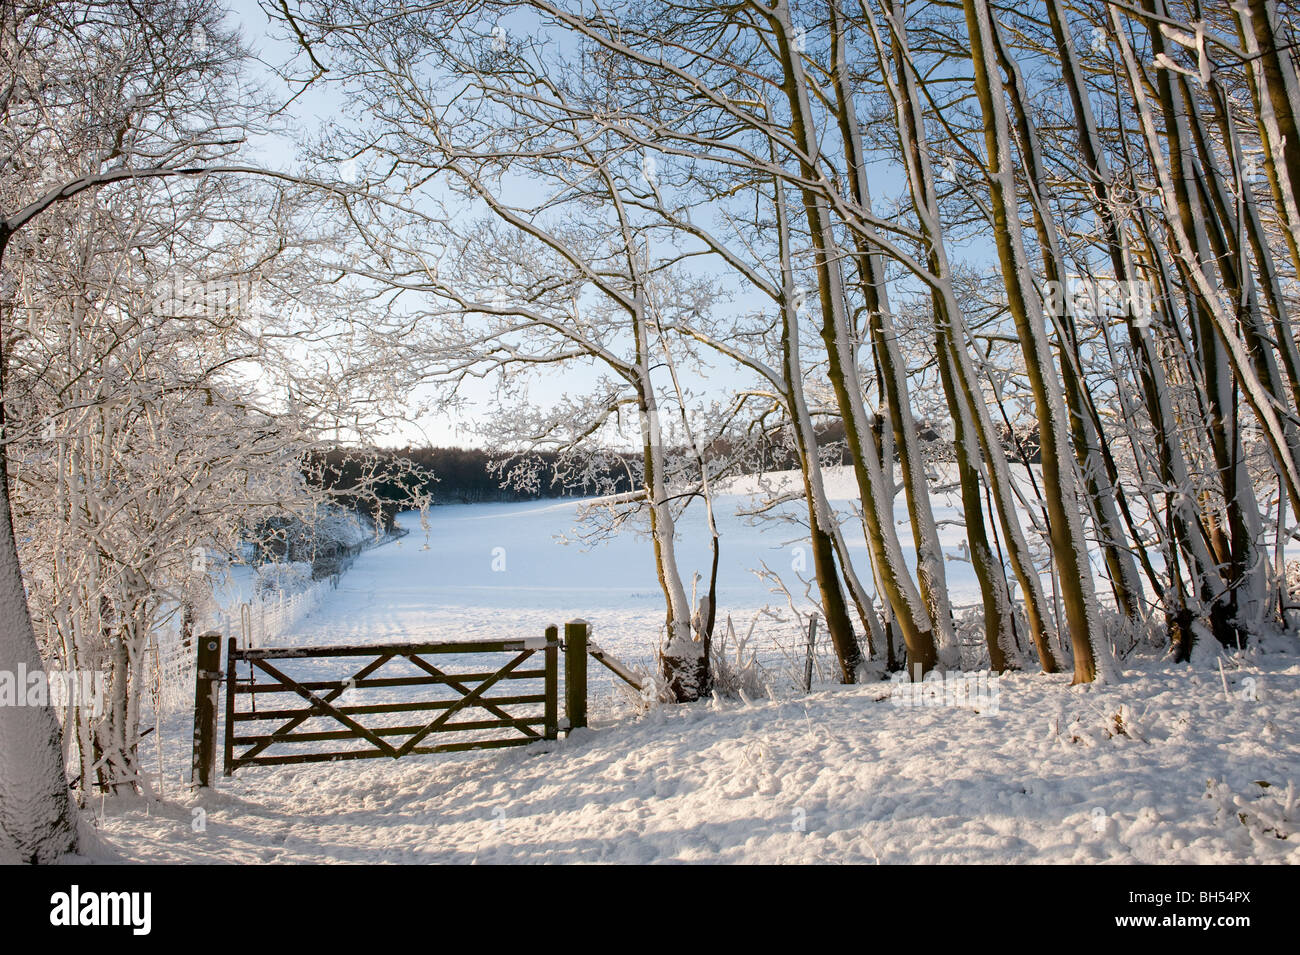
(1167, 765)
(840, 776)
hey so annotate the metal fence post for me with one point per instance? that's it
(808, 661)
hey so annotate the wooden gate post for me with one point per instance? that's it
(207, 677)
(551, 719)
(575, 673)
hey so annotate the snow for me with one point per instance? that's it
(842, 774)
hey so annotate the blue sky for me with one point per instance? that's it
(319, 104)
(306, 114)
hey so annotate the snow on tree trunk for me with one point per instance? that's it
(882, 538)
(37, 819)
(1069, 547)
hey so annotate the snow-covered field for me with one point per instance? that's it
(839, 776)
(1171, 764)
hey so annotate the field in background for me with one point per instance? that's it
(1163, 766)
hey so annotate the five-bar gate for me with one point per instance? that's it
(286, 705)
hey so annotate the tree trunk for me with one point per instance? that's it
(37, 820)
(1069, 548)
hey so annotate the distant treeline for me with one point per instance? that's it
(388, 479)
(466, 476)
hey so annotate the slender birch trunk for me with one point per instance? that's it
(1102, 488)
(1188, 532)
(1275, 90)
(931, 578)
(972, 426)
(681, 655)
(900, 590)
(1069, 547)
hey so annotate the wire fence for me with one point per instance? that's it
(255, 623)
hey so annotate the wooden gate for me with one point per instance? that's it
(264, 727)
(275, 717)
